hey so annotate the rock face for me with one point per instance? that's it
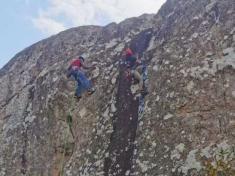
(189, 118)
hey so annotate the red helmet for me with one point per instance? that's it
(128, 52)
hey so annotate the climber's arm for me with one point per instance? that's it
(85, 66)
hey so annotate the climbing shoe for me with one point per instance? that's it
(77, 97)
(91, 91)
(144, 92)
(135, 81)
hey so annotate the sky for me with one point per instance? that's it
(24, 22)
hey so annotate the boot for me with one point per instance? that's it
(144, 92)
(78, 98)
(91, 91)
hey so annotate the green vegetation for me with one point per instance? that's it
(222, 164)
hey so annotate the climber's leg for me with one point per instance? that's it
(79, 90)
(138, 77)
(85, 82)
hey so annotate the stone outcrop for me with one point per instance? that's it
(189, 118)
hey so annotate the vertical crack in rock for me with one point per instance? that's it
(25, 130)
(23, 155)
(122, 142)
(24, 143)
(121, 146)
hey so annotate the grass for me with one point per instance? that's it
(222, 164)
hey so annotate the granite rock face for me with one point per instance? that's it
(189, 117)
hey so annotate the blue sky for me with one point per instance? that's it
(17, 30)
(24, 22)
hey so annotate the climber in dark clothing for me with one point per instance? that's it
(82, 81)
(134, 65)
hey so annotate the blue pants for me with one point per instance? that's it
(83, 84)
